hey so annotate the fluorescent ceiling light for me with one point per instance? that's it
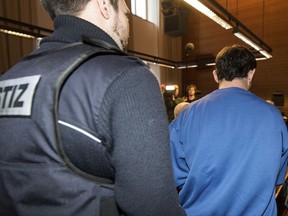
(252, 44)
(164, 65)
(219, 14)
(247, 40)
(188, 66)
(266, 54)
(261, 59)
(16, 33)
(158, 64)
(209, 13)
(210, 64)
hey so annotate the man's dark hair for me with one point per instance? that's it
(68, 7)
(234, 62)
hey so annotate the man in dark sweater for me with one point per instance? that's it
(106, 132)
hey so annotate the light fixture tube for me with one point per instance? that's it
(158, 64)
(252, 44)
(16, 33)
(210, 64)
(188, 66)
(261, 59)
(247, 40)
(165, 65)
(209, 13)
(266, 54)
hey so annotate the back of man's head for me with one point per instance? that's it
(68, 7)
(234, 62)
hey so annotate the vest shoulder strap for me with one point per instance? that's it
(68, 58)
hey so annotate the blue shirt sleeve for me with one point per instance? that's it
(284, 156)
(180, 166)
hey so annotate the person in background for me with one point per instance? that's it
(191, 93)
(229, 148)
(115, 157)
(283, 114)
(171, 99)
(285, 118)
(176, 97)
(179, 107)
(162, 88)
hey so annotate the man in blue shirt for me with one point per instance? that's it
(229, 149)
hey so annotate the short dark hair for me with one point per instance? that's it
(234, 62)
(191, 86)
(68, 7)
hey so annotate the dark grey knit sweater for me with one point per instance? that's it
(131, 122)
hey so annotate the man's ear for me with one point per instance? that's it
(251, 75)
(104, 6)
(215, 76)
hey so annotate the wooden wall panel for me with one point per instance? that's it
(12, 9)
(268, 20)
(26, 8)
(145, 37)
(145, 40)
(4, 59)
(41, 17)
(12, 47)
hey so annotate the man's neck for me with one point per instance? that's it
(238, 82)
